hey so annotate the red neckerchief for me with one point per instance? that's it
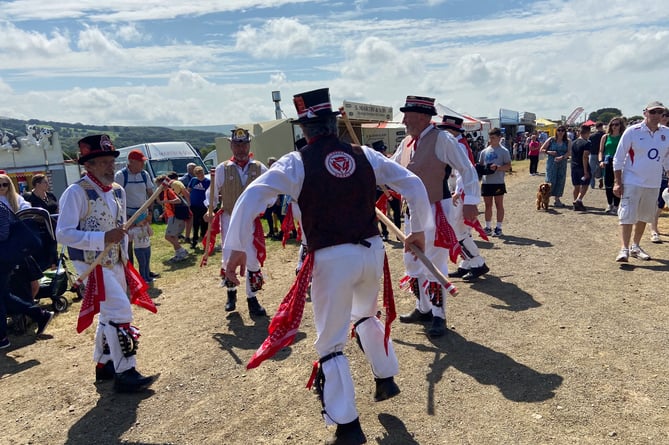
(414, 142)
(242, 164)
(105, 188)
(320, 136)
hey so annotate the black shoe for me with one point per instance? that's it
(416, 316)
(131, 381)
(348, 434)
(154, 275)
(255, 308)
(385, 389)
(458, 273)
(476, 272)
(231, 304)
(438, 328)
(43, 322)
(105, 373)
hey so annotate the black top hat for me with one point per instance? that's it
(95, 146)
(452, 122)
(313, 105)
(419, 104)
(379, 146)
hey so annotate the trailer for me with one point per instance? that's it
(37, 152)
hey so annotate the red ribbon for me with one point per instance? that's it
(444, 235)
(285, 323)
(138, 289)
(93, 295)
(259, 241)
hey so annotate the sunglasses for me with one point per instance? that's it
(561, 131)
(656, 111)
(616, 124)
(4, 184)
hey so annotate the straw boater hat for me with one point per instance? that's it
(313, 105)
(95, 146)
(452, 123)
(240, 135)
(419, 104)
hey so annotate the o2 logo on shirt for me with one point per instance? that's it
(340, 164)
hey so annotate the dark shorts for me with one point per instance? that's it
(493, 189)
(660, 201)
(577, 177)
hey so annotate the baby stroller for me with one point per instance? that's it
(55, 282)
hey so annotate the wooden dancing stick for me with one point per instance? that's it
(349, 127)
(98, 260)
(421, 256)
(210, 214)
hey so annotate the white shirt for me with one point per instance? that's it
(641, 155)
(287, 176)
(74, 203)
(447, 151)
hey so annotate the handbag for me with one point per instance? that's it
(21, 242)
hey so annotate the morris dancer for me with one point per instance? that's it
(335, 184)
(427, 152)
(472, 265)
(231, 178)
(93, 217)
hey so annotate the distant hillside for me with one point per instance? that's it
(122, 136)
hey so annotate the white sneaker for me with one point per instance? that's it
(638, 253)
(655, 238)
(608, 208)
(623, 255)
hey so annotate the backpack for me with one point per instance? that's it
(145, 177)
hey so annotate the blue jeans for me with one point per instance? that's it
(143, 255)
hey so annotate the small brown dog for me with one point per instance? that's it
(543, 194)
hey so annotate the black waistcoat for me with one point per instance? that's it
(338, 195)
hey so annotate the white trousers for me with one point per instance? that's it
(252, 262)
(416, 269)
(116, 308)
(345, 288)
(470, 251)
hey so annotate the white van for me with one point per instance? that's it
(163, 157)
(211, 160)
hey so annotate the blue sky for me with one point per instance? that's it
(212, 62)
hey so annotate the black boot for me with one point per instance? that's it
(254, 307)
(348, 434)
(476, 272)
(416, 316)
(458, 273)
(231, 304)
(438, 328)
(105, 372)
(385, 389)
(131, 381)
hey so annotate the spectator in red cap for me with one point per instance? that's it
(137, 185)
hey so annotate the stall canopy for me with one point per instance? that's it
(469, 123)
(543, 124)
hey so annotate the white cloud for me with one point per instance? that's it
(93, 40)
(16, 43)
(282, 37)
